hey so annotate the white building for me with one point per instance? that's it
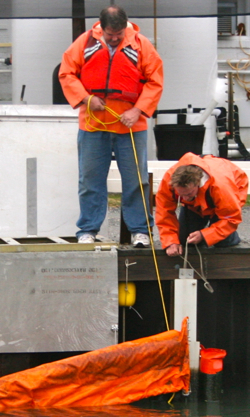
(36, 131)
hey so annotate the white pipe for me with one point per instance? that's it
(205, 114)
(235, 153)
(216, 112)
(233, 146)
(233, 72)
(232, 61)
(229, 69)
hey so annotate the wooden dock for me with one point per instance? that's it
(223, 317)
(218, 263)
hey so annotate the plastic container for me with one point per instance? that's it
(211, 360)
(173, 140)
(211, 366)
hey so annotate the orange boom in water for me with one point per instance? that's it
(117, 374)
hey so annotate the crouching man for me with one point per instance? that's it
(211, 192)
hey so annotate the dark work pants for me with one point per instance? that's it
(190, 222)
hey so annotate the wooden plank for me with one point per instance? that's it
(218, 263)
(228, 266)
(10, 241)
(56, 247)
(144, 268)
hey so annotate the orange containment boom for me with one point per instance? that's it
(117, 374)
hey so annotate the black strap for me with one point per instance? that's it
(106, 91)
(209, 199)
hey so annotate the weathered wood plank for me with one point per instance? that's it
(218, 263)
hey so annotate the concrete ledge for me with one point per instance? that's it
(158, 168)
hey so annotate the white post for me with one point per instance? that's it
(185, 305)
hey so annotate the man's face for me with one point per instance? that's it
(113, 37)
(187, 193)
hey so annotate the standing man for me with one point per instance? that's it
(211, 192)
(112, 66)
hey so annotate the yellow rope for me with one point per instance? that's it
(117, 118)
(170, 400)
(149, 229)
(91, 116)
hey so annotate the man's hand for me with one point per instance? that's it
(96, 103)
(195, 237)
(130, 117)
(174, 250)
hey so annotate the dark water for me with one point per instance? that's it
(234, 403)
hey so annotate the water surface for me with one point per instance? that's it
(234, 403)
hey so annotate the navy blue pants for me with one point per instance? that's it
(190, 222)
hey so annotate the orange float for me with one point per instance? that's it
(117, 374)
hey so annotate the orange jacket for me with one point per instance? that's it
(149, 64)
(228, 186)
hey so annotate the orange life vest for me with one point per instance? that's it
(116, 77)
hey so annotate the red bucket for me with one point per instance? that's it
(211, 360)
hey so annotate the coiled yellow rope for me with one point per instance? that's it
(91, 116)
(104, 127)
